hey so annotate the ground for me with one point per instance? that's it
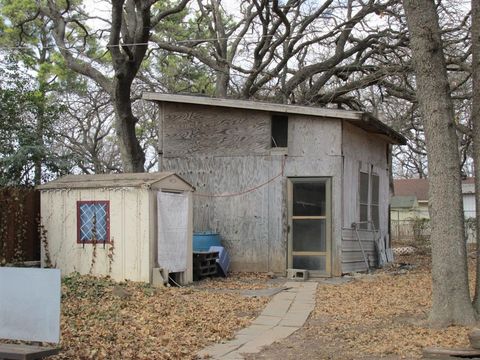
(105, 320)
(382, 315)
(369, 316)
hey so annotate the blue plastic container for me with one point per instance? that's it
(202, 241)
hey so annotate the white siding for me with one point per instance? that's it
(129, 228)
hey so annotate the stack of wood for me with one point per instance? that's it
(466, 353)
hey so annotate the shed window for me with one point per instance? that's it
(375, 203)
(93, 221)
(369, 201)
(279, 131)
(364, 200)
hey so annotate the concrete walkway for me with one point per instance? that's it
(283, 315)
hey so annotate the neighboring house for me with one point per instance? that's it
(281, 184)
(409, 189)
(410, 202)
(418, 188)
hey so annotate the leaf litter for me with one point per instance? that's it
(374, 316)
(102, 319)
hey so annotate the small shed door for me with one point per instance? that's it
(173, 234)
(309, 238)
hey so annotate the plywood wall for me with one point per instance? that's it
(362, 152)
(227, 151)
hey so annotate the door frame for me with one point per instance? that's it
(328, 223)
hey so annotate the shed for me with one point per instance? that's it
(122, 225)
(282, 184)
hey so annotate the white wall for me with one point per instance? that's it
(129, 229)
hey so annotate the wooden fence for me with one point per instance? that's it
(19, 217)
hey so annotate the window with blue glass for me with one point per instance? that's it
(93, 221)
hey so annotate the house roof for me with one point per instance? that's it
(419, 187)
(360, 119)
(403, 202)
(109, 181)
(415, 187)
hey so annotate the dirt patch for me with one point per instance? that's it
(374, 316)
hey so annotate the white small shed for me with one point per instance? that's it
(122, 225)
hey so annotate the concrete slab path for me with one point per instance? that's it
(283, 315)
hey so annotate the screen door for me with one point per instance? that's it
(309, 245)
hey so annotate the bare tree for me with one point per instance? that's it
(475, 116)
(129, 33)
(450, 298)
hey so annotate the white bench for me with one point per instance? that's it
(29, 311)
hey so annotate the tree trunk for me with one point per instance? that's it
(133, 157)
(476, 133)
(451, 303)
(221, 86)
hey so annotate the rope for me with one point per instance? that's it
(248, 190)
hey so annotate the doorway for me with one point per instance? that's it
(309, 220)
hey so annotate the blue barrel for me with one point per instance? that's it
(203, 240)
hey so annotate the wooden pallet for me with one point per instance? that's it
(444, 354)
(26, 352)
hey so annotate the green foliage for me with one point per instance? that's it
(27, 116)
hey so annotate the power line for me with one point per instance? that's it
(179, 42)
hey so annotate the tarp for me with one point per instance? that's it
(172, 231)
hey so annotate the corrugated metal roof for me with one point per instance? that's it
(360, 119)
(403, 202)
(108, 180)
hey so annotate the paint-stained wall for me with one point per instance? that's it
(227, 151)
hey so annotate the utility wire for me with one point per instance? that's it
(284, 160)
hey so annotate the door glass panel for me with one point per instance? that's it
(309, 199)
(309, 235)
(305, 262)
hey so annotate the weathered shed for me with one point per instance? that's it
(282, 184)
(122, 225)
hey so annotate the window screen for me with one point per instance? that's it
(93, 221)
(374, 206)
(363, 200)
(279, 131)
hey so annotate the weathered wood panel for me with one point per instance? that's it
(214, 154)
(198, 171)
(365, 152)
(352, 255)
(314, 138)
(193, 130)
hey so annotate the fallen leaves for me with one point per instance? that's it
(383, 314)
(105, 320)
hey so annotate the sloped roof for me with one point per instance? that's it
(363, 120)
(419, 187)
(403, 202)
(108, 181)
(411, 187)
